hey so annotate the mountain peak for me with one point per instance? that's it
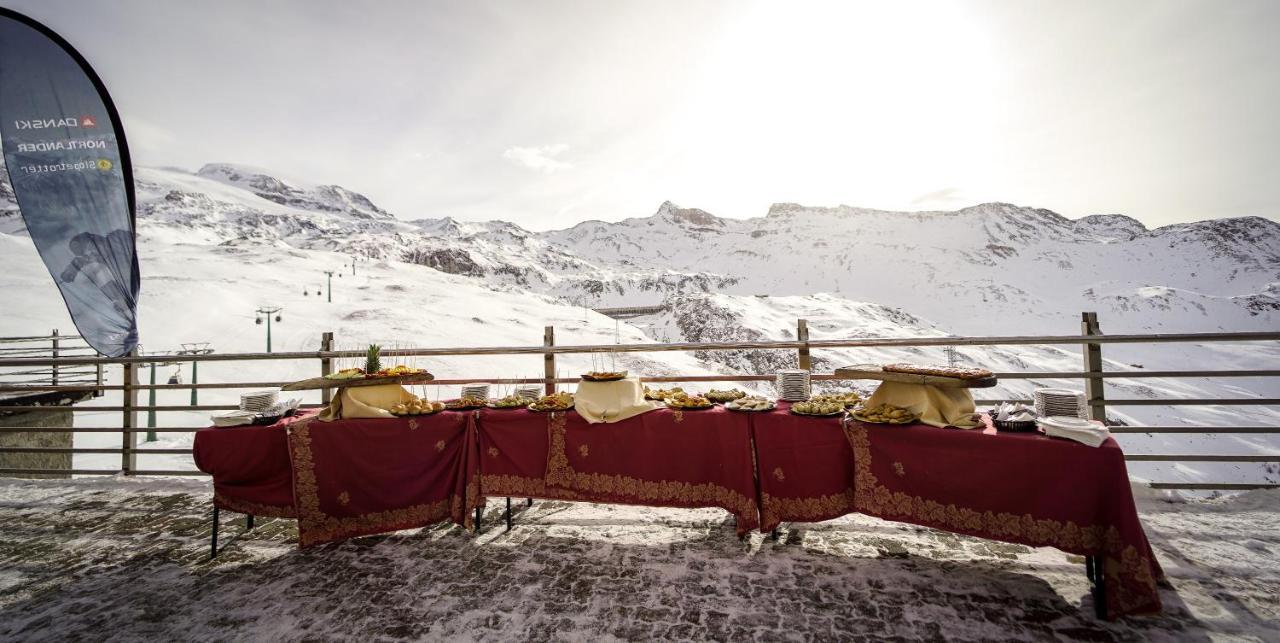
(295, 193)
(691, 216)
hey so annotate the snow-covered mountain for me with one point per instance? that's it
(220, 241)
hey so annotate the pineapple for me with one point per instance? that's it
(372, 359)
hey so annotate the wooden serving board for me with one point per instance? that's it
(875, 372)
(324, 382)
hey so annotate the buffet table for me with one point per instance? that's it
(354, 477)
(664, 458)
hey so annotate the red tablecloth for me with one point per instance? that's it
(250, 468)
(354, 477)
(1018, 487)
(662, 458)
(358, 477)
(806, 474)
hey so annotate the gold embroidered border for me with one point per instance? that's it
(253, 508)
(315, 527)
(511, 486)
(813, 509)
(562, 475)
(1120, 559)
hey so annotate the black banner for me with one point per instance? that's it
(66, 156)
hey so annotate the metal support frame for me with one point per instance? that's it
(1097, 575)
(213, 533)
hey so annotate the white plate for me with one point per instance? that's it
(1068, 422)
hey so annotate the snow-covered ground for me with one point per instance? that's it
(218, 243)
(119, 559)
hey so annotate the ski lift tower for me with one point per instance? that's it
(195, 348)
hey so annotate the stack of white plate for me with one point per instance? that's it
(793, 385)
(476, 390)
(258, 401)
(1060, 402)
(529, 391)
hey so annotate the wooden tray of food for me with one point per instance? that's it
(377, 380)
(964, 378)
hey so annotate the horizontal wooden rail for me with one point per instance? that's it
(3, 449)
(101, 472)
(18, 388)
(1190, 457)
(141, 407)
(1214, 486)
(1194, 429)
(95, 429)
(61, 472)
(1198, 401)
(1155, 338)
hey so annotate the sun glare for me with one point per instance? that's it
(835, 103)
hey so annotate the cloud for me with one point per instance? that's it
(540, 158)
(945, 196)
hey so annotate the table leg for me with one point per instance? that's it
(213, 535)
(478, 513)
(528, 502)
(248, 522)
(508, 514)
(1093, 567)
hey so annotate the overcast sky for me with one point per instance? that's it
(549, 113)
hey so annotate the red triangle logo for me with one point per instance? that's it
(88, 121)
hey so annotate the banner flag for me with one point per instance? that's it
(69, 166)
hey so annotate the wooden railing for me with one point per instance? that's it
(53, 346)
(1091, 374)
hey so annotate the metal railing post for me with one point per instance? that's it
(803, 360)
(129, 421)
(1094, 392)
(326, 365)
(54, 371)
(100, 378)
(549, 359)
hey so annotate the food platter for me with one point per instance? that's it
(885, 414)
(324, 382)
(751, 405)
(877, 372)
(466, 404)
(660, 394)
(416, 407)
(604, 376)
(819, 407)
(724, 397)
(685, 402)
(551, 403)
(695, 407)
(509, 403)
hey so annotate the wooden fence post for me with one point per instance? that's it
(549, 359)
(1094, 393)
(129, 421)
(802, 335)
(326, 365)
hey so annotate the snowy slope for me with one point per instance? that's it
(217, 243)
